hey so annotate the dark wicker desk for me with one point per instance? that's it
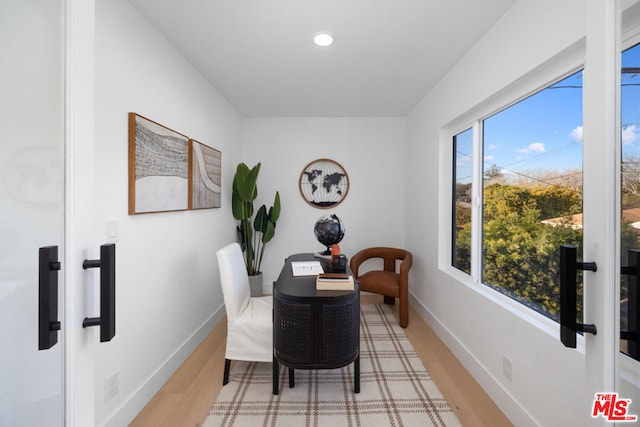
(313, 329)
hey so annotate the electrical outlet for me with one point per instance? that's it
(506, 367)
(110, 387)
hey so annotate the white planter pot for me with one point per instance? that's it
(255, 282)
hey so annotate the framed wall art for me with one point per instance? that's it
(158, 167)
(205, 176)
(324, 183)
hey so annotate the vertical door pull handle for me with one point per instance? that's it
(107, 265)
(48, 323)
(631, 334)
(569, 266)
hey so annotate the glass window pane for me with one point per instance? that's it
(532, 194)
(630, 199)
(461, 227)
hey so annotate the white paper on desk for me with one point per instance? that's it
(306, 268)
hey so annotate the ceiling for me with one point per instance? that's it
(260, 56)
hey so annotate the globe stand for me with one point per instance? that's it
(324, 255)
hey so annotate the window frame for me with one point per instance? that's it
(566, 63)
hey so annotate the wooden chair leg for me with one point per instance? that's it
(404, 313)
(227, 366)
(292, 378)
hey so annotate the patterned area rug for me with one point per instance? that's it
(395, 388)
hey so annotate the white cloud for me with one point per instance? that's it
(488, 158)
(492, 146)
(629, 135)
(576, 134)
(536, 147)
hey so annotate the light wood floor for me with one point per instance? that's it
(187, 397)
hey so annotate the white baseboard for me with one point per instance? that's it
(132, 406)
(512, 408)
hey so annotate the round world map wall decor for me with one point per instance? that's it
(324, 183)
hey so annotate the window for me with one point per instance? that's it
(531, 195)
(461, 224)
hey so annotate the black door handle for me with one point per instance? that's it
(633, 302)
(107, 265)
(48, 323)
(569, 266)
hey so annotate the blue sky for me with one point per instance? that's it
(544, 131)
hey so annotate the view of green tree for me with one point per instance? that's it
(494, 172)
(630, 173)
(463, 246)
(520, 249)
(555, 201)
(520, 252)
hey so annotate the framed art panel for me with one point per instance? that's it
(158, 167)
(205, 176)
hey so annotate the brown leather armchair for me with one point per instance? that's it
(388, 282)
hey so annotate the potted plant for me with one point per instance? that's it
(253, 233)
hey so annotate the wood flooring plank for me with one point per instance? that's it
(191, 368)
(158, 409)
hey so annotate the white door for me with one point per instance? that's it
(31, 206)
(611, 149)
(628, 304)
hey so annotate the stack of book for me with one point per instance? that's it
(334, 282)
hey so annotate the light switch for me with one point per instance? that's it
(111, 231)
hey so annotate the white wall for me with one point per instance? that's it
(168, 291)
(372, 152)
(548, 380)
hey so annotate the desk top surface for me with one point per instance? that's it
(305, 286)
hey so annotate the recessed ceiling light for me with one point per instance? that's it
(323, 39)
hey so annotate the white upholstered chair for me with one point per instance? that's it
(249, 319)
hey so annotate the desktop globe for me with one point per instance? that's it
(329, 230)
